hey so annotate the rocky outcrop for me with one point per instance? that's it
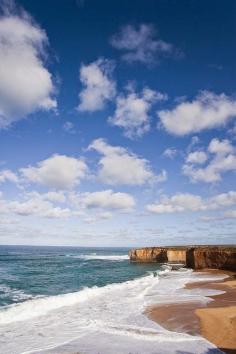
(196, 257)
(219, 257)
(176, 255)
(158, 254)
(149, 255)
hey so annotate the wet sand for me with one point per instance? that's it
(216, 321)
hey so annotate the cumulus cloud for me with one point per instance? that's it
(58, 171)
(176, 203)
(224, 199)
(197, 157)
(107, 199)
(34, 204)
(141, 44)
(61, 204)
(119, 166)
(53, 196)
(220, 147)
(207, 110)
(132, 111)
(38, 207)
(25, 83)
(182, 202)
(222, 161)
(8, 175)
(98, 85)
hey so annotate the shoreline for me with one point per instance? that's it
(215, 320)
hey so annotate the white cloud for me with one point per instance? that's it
(49, 205)
(182, 202)
(105, 215)
(98, 85)
(53, 196)
(223, 160)
(177, 203)
(224, 199)
(141, 44)
(207, 110)
(220, 147)
(39, 208)
(107, 199)
(89, 206)
(25, 83)
(197, 157)
(170, 153)
(132, 111)
(33, 204)
(58, 171)
(119, 166)
(56, 196)
(8, 175)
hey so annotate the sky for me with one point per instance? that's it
(117, 122)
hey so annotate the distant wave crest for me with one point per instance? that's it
(94, 256)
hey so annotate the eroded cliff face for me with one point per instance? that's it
(149, 255)
(212, 257)
(158, 254)
(176, 256)
(196, 257)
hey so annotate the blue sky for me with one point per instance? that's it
(117, 122)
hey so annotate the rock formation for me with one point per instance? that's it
(196, 257)
(149, 255)
(218, 257)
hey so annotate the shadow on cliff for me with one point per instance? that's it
(228, 351)
(209, 351)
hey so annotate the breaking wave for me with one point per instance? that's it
(109, 314)
(95, 256)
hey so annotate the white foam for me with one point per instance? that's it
(14, 294)
(94, 256)
(96, 319)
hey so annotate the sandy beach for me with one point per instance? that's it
(216, 321)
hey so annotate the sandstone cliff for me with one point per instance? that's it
(196, 257)
(148, 254)
(219, 257)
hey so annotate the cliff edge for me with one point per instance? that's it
(195, 257)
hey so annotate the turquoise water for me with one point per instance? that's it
(26, 272)
(63, 300)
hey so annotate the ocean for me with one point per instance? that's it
(64, 300)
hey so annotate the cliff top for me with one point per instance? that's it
(222, 247)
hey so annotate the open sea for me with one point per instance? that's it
(64, 300)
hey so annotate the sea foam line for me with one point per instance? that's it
(41, 306)
(107, 314)
(138, 287)
(94, 256)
